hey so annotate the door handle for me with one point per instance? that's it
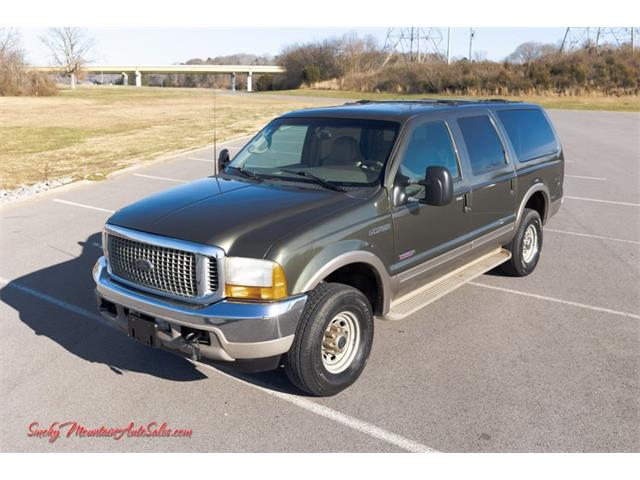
(467, 202)
(512, 185)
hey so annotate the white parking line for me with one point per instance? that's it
(602, 179)
(627, 204)
(588, 235)
(159, 178)
(82, 205)
(312, 407)
(556, 300)
(54, 301)
(338, 417)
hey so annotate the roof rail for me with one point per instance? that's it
(432, 101)
(436, 101)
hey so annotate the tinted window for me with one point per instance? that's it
(529, 132)
(286, 147)
(430, 146)
(339, 150)
(483, 144)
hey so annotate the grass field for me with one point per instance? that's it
(620, 104)
(92, 131)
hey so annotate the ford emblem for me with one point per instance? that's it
(144, 265)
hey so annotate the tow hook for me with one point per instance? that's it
(190, 340)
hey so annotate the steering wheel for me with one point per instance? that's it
(372, 165)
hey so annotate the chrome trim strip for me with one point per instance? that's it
(495, 234)
(434, 262)
(456, 252)
(201, 251)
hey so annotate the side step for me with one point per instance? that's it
(412, 302)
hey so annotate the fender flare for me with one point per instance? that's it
(347, 258)
(538, 187)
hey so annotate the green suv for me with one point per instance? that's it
(327, 219)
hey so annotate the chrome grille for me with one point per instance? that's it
(212, 274)
(166, 269)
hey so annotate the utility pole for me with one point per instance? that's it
(449, 45)
(472, 33)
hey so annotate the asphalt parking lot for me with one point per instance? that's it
(550, 362)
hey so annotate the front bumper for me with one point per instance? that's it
(227, 330)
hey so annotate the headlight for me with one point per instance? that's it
(249, 278)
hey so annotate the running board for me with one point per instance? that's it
(412, 302)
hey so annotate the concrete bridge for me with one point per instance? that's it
(138, 70)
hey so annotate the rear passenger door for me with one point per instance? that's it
(490, 202)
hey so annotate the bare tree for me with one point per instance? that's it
(9, 41)
(69, 48)
(530, 51)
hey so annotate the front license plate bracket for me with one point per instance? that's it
(143, 330)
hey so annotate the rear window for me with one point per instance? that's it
(529, 132)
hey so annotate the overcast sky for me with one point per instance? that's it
(147, 46)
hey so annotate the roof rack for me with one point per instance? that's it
(424, 101)
(434, 101)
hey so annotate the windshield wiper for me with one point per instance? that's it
(248, 174)
(318, 180)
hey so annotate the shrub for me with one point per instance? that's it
(264, 83)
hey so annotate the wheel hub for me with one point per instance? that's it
(529, 243)
(340, 342)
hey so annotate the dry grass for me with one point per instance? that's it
(92, 131)
(625, 103)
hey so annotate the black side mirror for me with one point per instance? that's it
(223, 159)
(438, 186)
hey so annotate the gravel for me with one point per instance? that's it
(25, 191)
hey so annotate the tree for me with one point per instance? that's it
(9, 41)
(15, 76)
(529, 51)
(69, 48)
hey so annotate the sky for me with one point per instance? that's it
(162, 46)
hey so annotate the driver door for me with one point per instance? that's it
(424, 232)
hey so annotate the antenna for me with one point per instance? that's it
(215, 138)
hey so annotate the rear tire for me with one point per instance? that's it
(332, 341)
(526, 246)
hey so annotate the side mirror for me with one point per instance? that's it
(438, 186)
(223, 160)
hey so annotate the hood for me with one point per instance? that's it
(243, 218)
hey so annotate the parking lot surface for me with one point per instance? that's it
(550, 362)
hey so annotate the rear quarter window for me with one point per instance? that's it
(529, 133)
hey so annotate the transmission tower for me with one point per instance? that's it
(594, 37)
(415, 44)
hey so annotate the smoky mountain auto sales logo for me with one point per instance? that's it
(73, 429)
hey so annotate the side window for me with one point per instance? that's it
(529, 133)
(285, 148)
(485, 149)
(430, 146)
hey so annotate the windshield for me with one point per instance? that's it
(345, 152)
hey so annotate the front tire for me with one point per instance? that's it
(333, 340)
(526, 246)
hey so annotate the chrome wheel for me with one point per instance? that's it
(340, 342)
(529, 243)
